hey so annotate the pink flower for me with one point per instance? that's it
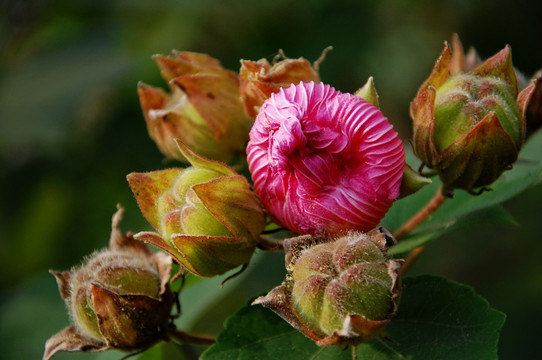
(324, 162)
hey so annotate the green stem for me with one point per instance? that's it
(270, 245)
(182, 337)
(411, 259)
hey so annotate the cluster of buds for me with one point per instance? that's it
(325, 164)
(118, 299)
(469, 118)
(203, 110)
(338, 291)
(206, 216)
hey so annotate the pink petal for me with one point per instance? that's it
(323, 161)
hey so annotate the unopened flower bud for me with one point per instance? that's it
(338, 292)
(118, 299)
(206, 215)
(469, 126)
(203, 109)
(259, 79)
(324, 162)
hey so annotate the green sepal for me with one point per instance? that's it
(199, 161)
(209, 256)
(148, 188)
(411, 182)
(479, 157)
(230, 200)
(368, 92)
(422, 111)
(500, 66)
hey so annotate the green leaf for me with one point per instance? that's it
(255, 332)
(437, 319)
(465, 209)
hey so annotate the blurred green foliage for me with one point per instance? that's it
(71, 129)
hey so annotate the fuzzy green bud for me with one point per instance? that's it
(468, 119)
(340, 291)
(118, 299)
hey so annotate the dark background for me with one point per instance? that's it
(71, 129)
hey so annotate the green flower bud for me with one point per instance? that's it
(203, 109)
(341, 291)
(468, 118)
(206, 215)
(118, 299)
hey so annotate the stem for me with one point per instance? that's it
(182, 337)
(411, 258)
(432, 206)
(270, 245)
